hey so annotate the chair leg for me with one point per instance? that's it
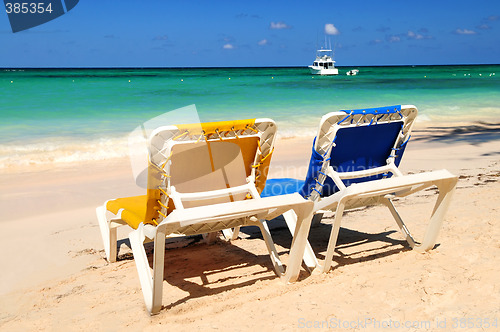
(309, 257)
(210, 238)
(236, 232)
(334, 234)
(273, 253)
(446, 189)
(316, 219)
(151, 284)
(400, 222)
(108, 234)
(299, 243)
(158, 268)
(301, 223)
(231, 233)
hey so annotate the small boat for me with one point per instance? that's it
(352, 72)
(324, 63)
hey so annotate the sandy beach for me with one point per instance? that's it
(54, 275)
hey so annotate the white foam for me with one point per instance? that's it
(59, 150)
(291, 132)
(423, 118)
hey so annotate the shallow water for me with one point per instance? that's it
(60, 115)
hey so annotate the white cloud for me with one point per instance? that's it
(164, 37)
(279, 25)
(263, 42)
(418, 36)
(465, 32)
(394, 39)
(383, 29)
(413, 35)
(330, 29)
(228, 47)
(375, 42)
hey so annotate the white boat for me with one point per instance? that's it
(324, 63)
(352, 72)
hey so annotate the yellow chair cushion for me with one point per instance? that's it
(145, 208)
(134, 209)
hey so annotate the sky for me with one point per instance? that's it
(165, 33)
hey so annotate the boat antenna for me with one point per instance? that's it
(317, 41)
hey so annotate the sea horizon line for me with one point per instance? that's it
(241, 67)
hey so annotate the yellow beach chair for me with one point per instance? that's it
(354, 163)
(203, 178)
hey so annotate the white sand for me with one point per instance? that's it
(54, 276)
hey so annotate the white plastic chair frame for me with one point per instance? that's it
(381, 191)
(208, 218)
(265, 129)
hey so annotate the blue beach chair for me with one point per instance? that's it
(354, 163)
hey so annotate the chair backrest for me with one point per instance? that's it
(356, 143)
(197, 158)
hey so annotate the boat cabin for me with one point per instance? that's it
(325, 65)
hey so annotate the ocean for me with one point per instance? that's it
(67, 115)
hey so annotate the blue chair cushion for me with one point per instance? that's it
(356, 149)
(276, 187)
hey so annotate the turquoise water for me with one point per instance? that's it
(66, 114)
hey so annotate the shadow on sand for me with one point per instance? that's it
(474, 134)
(204, 270)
